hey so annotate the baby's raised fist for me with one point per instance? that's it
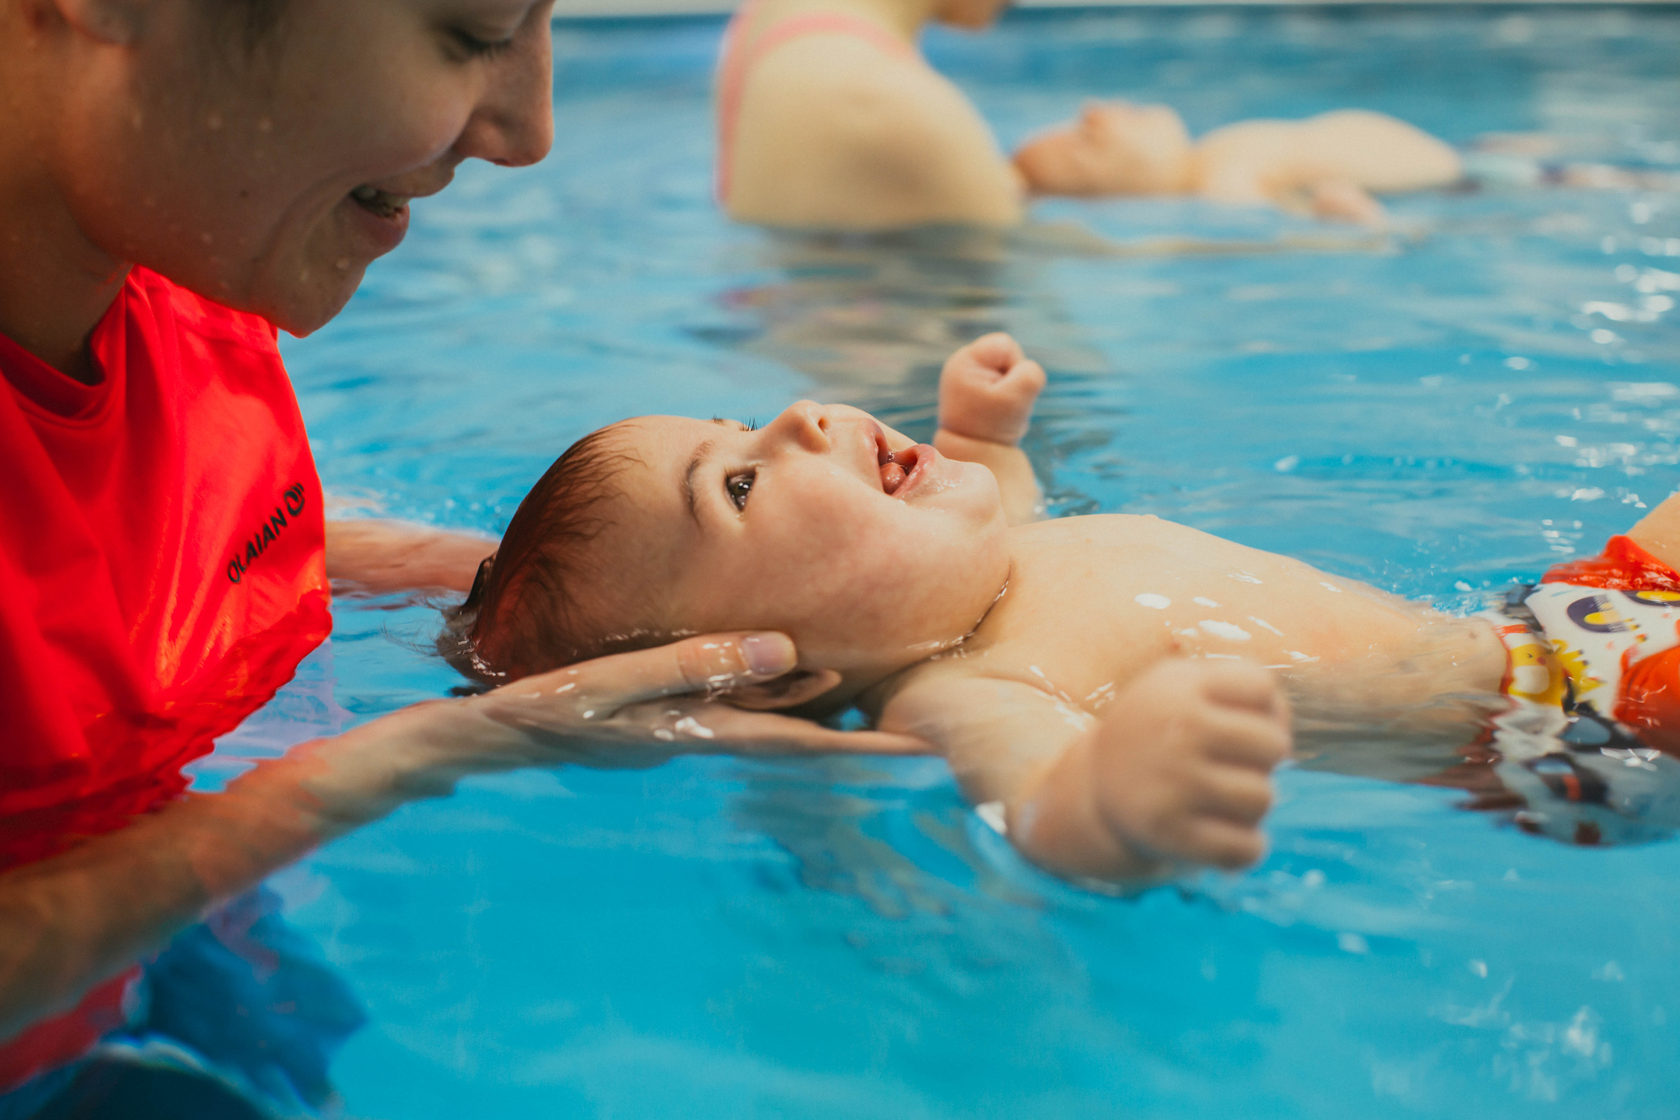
(987, 390)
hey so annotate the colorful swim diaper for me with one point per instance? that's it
(1594, 684)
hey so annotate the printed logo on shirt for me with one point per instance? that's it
(290, 505)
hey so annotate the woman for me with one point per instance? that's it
(829, 117)
(178, 178)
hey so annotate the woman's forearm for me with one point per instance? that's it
(71, 921)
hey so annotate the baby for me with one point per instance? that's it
(1328, 165)
(1110, 682)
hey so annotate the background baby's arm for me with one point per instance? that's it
(986, 395)
(1175, 772)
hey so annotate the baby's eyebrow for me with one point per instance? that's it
(700, 454)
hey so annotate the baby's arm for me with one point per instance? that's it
(1175, 772)
(986, 395)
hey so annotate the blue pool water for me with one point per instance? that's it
(1439, 413)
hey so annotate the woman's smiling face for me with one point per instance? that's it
(269, 176)
(867, 549)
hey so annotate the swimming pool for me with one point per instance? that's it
(1440, 413)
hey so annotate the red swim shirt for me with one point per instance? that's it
(163, 572)
(163, 563)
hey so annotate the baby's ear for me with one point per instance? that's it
(787, 691)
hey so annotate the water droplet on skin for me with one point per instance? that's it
(1227, 630)
(1153, 602)
(1244, 577)
(1328, 586)
(565, 688)
(688, 725)
(1264, 625)
(1204, 601)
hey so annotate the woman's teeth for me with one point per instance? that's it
(380, 202)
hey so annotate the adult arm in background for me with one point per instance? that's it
(376, 555)
(835, 133)
(69, 922)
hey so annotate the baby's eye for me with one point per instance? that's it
(739, 486)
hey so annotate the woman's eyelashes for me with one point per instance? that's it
(470, 46)
(739, 487)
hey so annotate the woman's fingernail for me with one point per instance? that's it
(768, 654)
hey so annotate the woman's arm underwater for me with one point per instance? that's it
(68, 922)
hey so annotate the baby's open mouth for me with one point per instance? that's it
(383, 203)
(896, 467)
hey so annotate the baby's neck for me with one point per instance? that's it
(868, 688)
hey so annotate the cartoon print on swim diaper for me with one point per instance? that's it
(1590, 636)
(1543, 671)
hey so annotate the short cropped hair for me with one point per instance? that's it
(525, 613)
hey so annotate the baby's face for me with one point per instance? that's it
(806, 527)
(1112, 148)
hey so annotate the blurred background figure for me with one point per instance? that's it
(828, 116)
(1328, 166)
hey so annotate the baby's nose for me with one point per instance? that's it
(805, 423)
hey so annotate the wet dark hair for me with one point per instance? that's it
(524, 614)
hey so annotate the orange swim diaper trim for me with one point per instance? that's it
(1622, 566)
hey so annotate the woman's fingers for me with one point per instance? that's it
(634, 709)
(717, 728)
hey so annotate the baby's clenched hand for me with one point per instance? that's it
(1180, 766)
(987, 390)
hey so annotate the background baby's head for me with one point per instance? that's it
(1112, 147)
(868, 550)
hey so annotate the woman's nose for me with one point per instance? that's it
(513, 124)
(803, 424)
